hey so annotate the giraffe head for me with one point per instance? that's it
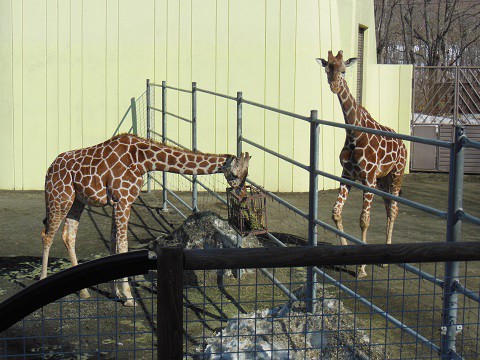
(335, 68)
(236, 171)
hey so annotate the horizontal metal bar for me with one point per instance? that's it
(422, 274)
(378, 310)
(186, 177)
(425, 208)
(177, 89)
(339, 232)
(176, 143)
(180, 200)
(283, 112)
(279, 284)
(155, 133)
(212, 192)
(305, 215)
(217, 94)
(471, 143)
(469, 218)
(211, 259)
(275, 240)
(154, 108)
(395, 135)
(175, 196)
(279, 200)
(296, 163)
(175, 208)
(178, 117)
(459, 288)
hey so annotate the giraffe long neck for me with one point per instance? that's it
(350, 108)
(164, 158)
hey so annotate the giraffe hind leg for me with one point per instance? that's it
(391, 184)
(69, 235)
(118, 244)
(52, 223)
(391, 206)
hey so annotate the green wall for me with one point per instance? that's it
(69, 68)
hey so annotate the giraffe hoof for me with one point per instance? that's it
(84, 294)
(129, 303)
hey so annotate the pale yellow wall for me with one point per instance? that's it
(69, 68)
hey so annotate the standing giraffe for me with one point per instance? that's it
(111, 173)
(375, 160)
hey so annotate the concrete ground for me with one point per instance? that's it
(22, 212)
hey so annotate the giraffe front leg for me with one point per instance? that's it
(364, 224)
(338, 208)
(119, 245)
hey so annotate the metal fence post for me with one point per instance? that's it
(194, 145)
(454, 233)
(456, 95)
(239, 150)
(133, 107)
(239, 123)
(149, 114)
(164, 140)
(312, 207)
(170, 265)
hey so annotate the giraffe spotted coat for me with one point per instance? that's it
(377, 161)
(111, 173)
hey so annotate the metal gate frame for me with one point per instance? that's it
(445, 97)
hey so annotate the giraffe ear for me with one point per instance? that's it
(350, 62)
(322, 62)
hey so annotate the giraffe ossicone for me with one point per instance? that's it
(376, 161)
(111, 173)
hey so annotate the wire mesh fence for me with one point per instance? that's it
(252, 318)
(249, 317)
(99, 327)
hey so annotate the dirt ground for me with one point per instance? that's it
(22, 212)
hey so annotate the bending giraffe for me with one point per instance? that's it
(376, 161)
(111, 173)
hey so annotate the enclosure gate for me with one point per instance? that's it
(444, 97)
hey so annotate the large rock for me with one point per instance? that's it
(207, 230)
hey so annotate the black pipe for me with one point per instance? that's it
(68, 281)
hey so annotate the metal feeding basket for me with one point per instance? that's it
(248, 215)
